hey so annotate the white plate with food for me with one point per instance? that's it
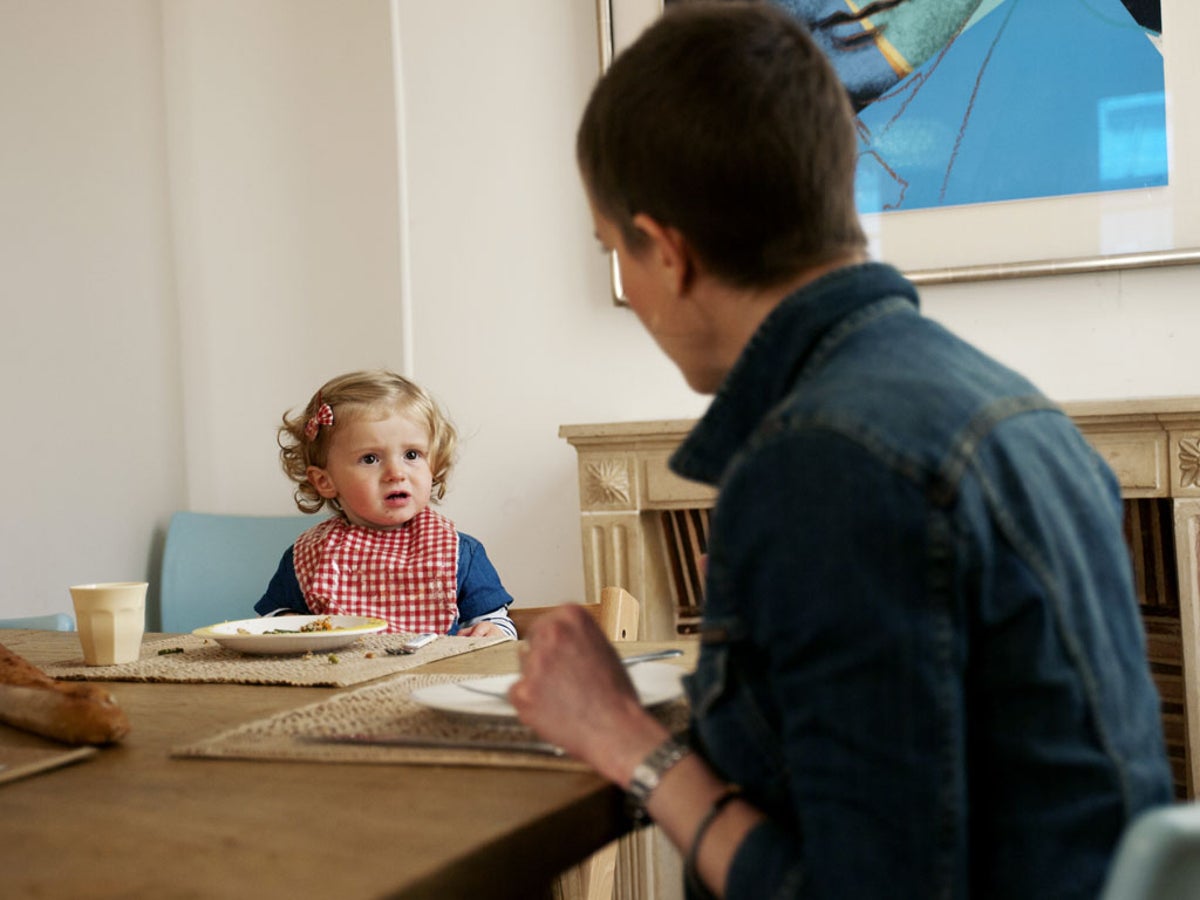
(280, 635)
(655, 682)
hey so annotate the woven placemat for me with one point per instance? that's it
(204, 660)
(387, 709)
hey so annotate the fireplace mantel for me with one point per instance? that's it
(626, 495)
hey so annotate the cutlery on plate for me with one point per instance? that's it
(405, 740)
(627, 661)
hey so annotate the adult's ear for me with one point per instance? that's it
(320, 479)
(671, 253)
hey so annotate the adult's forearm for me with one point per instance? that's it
(683, 801)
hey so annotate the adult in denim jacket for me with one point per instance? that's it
(922, 659)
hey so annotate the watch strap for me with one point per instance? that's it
(650, 771)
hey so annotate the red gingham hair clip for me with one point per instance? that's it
(323, 416)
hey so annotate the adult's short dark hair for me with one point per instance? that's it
(725, 121)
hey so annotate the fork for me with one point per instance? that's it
(412, 645)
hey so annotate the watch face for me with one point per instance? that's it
(650, 771)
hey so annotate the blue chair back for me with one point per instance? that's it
(1158, 857)
(216, 567)
(52, 622)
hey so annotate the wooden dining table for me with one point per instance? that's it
(133, 821)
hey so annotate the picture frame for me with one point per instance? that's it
(1097, 232)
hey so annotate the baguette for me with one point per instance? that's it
(72, 713)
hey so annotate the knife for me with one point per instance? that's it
(416, 741)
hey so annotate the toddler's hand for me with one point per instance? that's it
(483, 629)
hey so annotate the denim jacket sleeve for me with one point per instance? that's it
(824, 683)
(480, 590)
(283, 591)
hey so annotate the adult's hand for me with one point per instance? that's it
(575, 693)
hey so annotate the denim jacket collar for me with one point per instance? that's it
(792, 332)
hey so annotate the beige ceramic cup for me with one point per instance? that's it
(111, 618)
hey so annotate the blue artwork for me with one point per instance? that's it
(976, 101)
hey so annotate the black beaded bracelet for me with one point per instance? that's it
(731, 792)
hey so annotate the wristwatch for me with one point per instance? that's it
(649, 773)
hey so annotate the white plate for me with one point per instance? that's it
(247, 635)
(656, 682)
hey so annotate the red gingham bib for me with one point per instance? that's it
(408, 576)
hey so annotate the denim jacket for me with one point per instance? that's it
(921, 652)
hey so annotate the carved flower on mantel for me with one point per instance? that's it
(607, 481)
(1189, 462)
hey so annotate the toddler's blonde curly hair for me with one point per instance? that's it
(304, 437)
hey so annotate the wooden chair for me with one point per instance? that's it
(617, 614)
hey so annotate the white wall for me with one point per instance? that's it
(281, 139)
(514, 325)
(1085, 337)
(89, 385)
(214, 188)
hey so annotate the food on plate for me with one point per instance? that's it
(319, 625)
(325, 624)
(68, 712)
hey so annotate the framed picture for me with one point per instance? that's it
(1153, 222)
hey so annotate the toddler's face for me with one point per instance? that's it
(377, 469)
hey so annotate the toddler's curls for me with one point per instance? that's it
(304, 437)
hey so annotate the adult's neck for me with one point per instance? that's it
(735, 313)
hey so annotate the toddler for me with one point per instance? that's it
(376, 449)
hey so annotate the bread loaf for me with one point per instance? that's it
(68, 712)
